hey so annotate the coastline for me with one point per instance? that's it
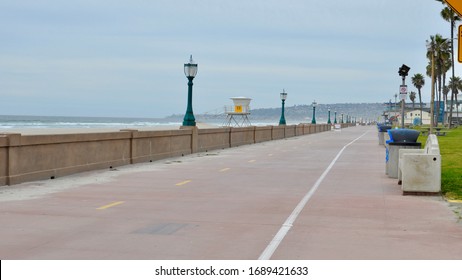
(75, 130)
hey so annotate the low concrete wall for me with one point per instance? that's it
(213, 139)
(290, 131)
(35, 157)
(299, 129)
(242, 136)
(4, 160)
(155, 145)
(278, 132)
(263, 133)
(313, 129)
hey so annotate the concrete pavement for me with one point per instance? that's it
(230, 204)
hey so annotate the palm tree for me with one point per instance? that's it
(451, 17)
(439, 48)
(418, 81)
(412, 97)
(445, 68)
(456, 84)
(446, 90)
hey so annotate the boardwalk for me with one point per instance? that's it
(320, 196)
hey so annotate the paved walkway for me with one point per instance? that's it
(307, 197)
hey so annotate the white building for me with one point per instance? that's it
(411, 116)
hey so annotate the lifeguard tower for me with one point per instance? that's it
(238, 115)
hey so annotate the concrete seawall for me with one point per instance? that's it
(37, 157)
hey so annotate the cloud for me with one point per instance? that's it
(132, 52)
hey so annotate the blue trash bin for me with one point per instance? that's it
(382, 129)
(399, 139)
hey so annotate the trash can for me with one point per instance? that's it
(382, 128)
(399, 139)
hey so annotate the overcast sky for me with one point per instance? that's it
(125, 58)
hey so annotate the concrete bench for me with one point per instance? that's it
(419, 171)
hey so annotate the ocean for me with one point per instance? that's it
(27, 122)
(57, 124)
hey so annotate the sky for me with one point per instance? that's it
(119, 58)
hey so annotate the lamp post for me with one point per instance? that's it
(283, 95)
(335, 117)
(328, 116)
(403, 71)
(342, 119)
(313, 120)
(190, 70)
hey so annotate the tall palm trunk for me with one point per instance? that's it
(453, 24)
(440, 87)
(444, 98)
(436, 101)
(457, 108)
(421, 110)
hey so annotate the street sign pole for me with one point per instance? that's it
(402, 95)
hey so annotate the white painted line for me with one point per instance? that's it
(274, 244)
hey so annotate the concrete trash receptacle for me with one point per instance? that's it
(382, 131)
(393, 156)
(399, 139)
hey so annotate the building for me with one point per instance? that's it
(413, 117)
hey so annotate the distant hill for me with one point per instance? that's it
(303, 113)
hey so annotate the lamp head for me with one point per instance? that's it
(283, 95)
(403, 70)
(190, 69)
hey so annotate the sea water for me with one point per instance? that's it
(10, 123)
(26, 122)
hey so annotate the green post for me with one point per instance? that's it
(190, 70)
(283, 96)
(313, 120)
(282, 121)
(328, 119)
(189, 119)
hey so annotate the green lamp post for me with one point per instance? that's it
(328, 118)
(313, 120)
(283, 95)
(190, 70)
(335, 117)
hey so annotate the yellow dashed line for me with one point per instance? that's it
(110, 205)
(225, 169)
(253, 160)
(183, 183)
